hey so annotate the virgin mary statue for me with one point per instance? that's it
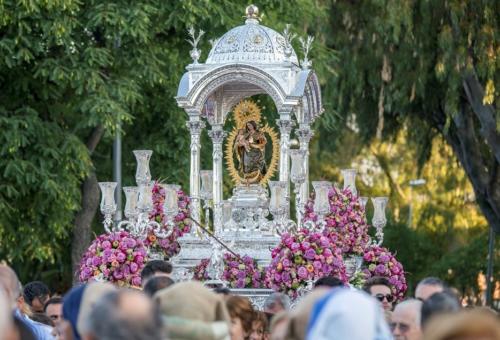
(249, 147)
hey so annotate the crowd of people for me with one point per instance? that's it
(164, 309)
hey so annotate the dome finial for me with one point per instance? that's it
(252, 12)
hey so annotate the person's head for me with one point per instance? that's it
(155, 268)
(299, 317)
(72, 301)
(188, 308)
(259, 326)
(476, 323)
(276, 302)
(405, 320)
(36, 294)
(439, 303)
(251, 126)
(380, 288)
(92, 294)
(279, 326)
(11, 285)
(241, 312)
(429, 286)
(329, 281)
(157, 283)
(124, 315)
(53, 309)
(347, 314)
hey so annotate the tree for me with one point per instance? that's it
(74, 73)
(431, 65)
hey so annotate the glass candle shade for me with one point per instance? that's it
(321, 200)
(363, 200)
(379, 204)
(132, 198)
(145, 202)
(206, 184)
(108, 204)
(298, 172)
(142, 174)
(350, 180)
(277, 198)
(227, 207)
(171, 202)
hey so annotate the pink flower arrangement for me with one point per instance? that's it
(116, 257)
(244, 273)
(379, 261)
(169, 245)
(301, 257)
(200, 272)
(346, 222)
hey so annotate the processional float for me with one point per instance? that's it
(248, 60)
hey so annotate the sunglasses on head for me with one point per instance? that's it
(403, 327)
(381, 297)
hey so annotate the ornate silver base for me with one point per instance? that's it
(194, 249)
(249, 207)
(256, 296)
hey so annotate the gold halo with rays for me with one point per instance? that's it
(246, 111)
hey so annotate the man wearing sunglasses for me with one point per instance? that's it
(380, 288)
(405, 320)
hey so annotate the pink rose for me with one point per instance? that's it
(302, 272)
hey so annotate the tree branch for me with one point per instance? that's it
(485, 113)
(94, 138)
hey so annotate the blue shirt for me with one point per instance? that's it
(39, 330)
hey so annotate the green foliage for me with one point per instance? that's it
(68, 67)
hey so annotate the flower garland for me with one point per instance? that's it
(301, 257)
(379, 261)
(116, 257)
(169, 245)
(244, 273)
(346, 222)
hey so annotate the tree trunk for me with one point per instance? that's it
(82, 229)
(83, 221)
(478, 158)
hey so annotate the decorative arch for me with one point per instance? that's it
(239, 73)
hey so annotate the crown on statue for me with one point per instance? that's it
(245, 112)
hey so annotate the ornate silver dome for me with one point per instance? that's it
(251, 43)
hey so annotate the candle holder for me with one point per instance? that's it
(353, 265)
(108, 204)
(379, 220)
(142, 174)
(298, 177)
(139, 203)
(321, 204)
(350, 180)
(170, 204)
(227, 218)
(278, 207)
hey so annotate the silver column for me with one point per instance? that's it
(285, 126)
(195, 127)
(217, 135)
(304, 133)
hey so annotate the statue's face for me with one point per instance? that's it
(250, 127)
